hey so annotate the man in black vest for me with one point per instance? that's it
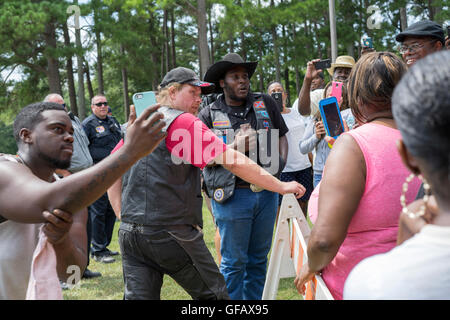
(245, 214)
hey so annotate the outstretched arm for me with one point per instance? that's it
(23, 196)
(250, 171)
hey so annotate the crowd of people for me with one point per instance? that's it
(377, 195)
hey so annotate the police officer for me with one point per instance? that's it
(245, 214)
(103, 132)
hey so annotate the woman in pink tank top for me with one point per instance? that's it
(356, 207)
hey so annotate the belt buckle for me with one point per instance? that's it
(255, 188)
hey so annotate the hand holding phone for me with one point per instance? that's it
(320, 129)
(143, 100)
(322, 64)
(331, 116)
(278, 97)
(336, 90)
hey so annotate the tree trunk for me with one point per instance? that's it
(202, 37)
(154, 54)
(166, 41)
(98, 41)
(297, 72)
(172, 36)
(54, 80)
(126, 100)
(261, 71)
(69, 70)
(211, 36)
(88, 80)
(276, 53)
(286, 68)
(81, 98)
(403, 18)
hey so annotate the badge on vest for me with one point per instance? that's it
(262, 114)
(100, 129)
(259, 105)
(221, 124)
(218, 194)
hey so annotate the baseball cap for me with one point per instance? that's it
(424, 28)
(186, 76)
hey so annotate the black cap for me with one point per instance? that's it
(422, 29)
(183, 75)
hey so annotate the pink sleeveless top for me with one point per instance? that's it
(373, 228)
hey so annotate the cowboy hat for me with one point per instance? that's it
(343, 62)
(216, 72)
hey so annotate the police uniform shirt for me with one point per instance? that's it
(242, 115)
(103, 135)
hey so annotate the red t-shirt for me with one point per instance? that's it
(189, 139)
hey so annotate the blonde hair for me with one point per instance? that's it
(162, 96)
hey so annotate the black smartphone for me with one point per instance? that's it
(278, 96)
(322, 64)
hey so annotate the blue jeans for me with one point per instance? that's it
(245, 223)
(316, 179)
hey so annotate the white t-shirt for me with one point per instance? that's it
(315, 97)
(296, 123)
(418, 269)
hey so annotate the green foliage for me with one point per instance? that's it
(7, 142)
(133, 38)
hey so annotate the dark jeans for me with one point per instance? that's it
(179, 251)
(102, 224)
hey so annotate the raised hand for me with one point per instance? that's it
(144, 133)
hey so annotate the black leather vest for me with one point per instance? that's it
(156, 191)
(219, 182)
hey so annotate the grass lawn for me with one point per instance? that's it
(110, 285)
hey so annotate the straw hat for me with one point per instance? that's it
(343, 62)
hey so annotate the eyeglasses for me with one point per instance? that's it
(412, 48)
(101, 104)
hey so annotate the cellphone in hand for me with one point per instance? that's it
(142, 100)
(322, 64)
(366, 42)
(336, 90)
(278, 96)
(331, 117)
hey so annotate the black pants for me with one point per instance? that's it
(179, 251)
(102, 224)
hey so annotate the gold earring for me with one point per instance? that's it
(426, 197)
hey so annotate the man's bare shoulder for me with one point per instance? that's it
(8, 161)
(7, 157)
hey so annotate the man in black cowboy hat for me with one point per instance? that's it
(244, 213)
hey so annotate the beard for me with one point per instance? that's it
(231, 95)
(54, 162)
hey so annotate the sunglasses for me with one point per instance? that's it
(101, 104)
